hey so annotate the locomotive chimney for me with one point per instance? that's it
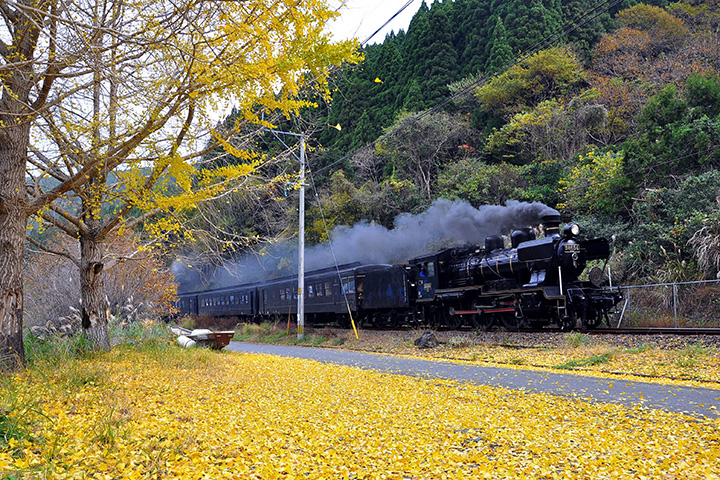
(552, 225)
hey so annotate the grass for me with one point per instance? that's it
(577, 339)
(150, 409)
(60, 367)
(18, 412)
(585, 362)
(690, 355)
(279, 333)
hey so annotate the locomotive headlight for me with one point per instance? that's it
(571, 230)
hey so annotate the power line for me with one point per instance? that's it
(407, 4)
(541, 44)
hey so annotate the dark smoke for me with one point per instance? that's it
(446, 223)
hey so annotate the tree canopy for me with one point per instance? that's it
(110, 106)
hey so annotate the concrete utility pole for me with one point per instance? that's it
(301, 246)
(301, 235)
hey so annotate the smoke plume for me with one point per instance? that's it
(446, 223)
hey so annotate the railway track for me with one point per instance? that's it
(680, 331)
(654, 331)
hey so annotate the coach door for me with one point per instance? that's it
(359, 287)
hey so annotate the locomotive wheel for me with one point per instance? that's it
(482, 322)
(567, 323)
(593, 321)
(454, 322)
(449, 320)
(431, 316)
(509, 321)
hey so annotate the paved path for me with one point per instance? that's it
(691, 400)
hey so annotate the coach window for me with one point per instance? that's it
(348, 284)
(328, 289)
(319, 289)
(310, 293)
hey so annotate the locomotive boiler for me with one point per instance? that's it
(534, 283)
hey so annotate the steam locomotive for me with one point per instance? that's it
(533, 284)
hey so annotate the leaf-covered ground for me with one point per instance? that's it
(199, 414)
(693, 361)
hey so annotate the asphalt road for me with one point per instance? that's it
(689, 400)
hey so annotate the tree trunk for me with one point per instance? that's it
(13, 219)
(14, 141)
(16, 115)
(92, 292)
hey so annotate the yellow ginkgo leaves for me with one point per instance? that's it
(199, 414)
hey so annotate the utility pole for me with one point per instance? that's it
(301, 246)
(301, 234)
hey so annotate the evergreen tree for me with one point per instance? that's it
(365, 131)
(471, 29)
(500, 52)
(438, 65)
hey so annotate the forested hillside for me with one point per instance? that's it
(610, 116)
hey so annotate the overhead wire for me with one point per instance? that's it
(332, 251)
(572, 25)
(466, 90)
(407, 4)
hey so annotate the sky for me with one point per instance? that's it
(361, 18)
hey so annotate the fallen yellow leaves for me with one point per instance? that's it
(197, 414)
(670, 361)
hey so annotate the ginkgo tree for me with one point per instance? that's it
(107, 109)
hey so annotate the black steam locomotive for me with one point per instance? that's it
(533, 284)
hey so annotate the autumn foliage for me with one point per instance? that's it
(198, 414)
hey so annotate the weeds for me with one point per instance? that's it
(585, 362)
(577, 339)
(108, 429)
(273, 337)
(460, 342)
(18, 413)
(689, 356)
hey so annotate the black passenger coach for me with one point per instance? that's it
(374, 294)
